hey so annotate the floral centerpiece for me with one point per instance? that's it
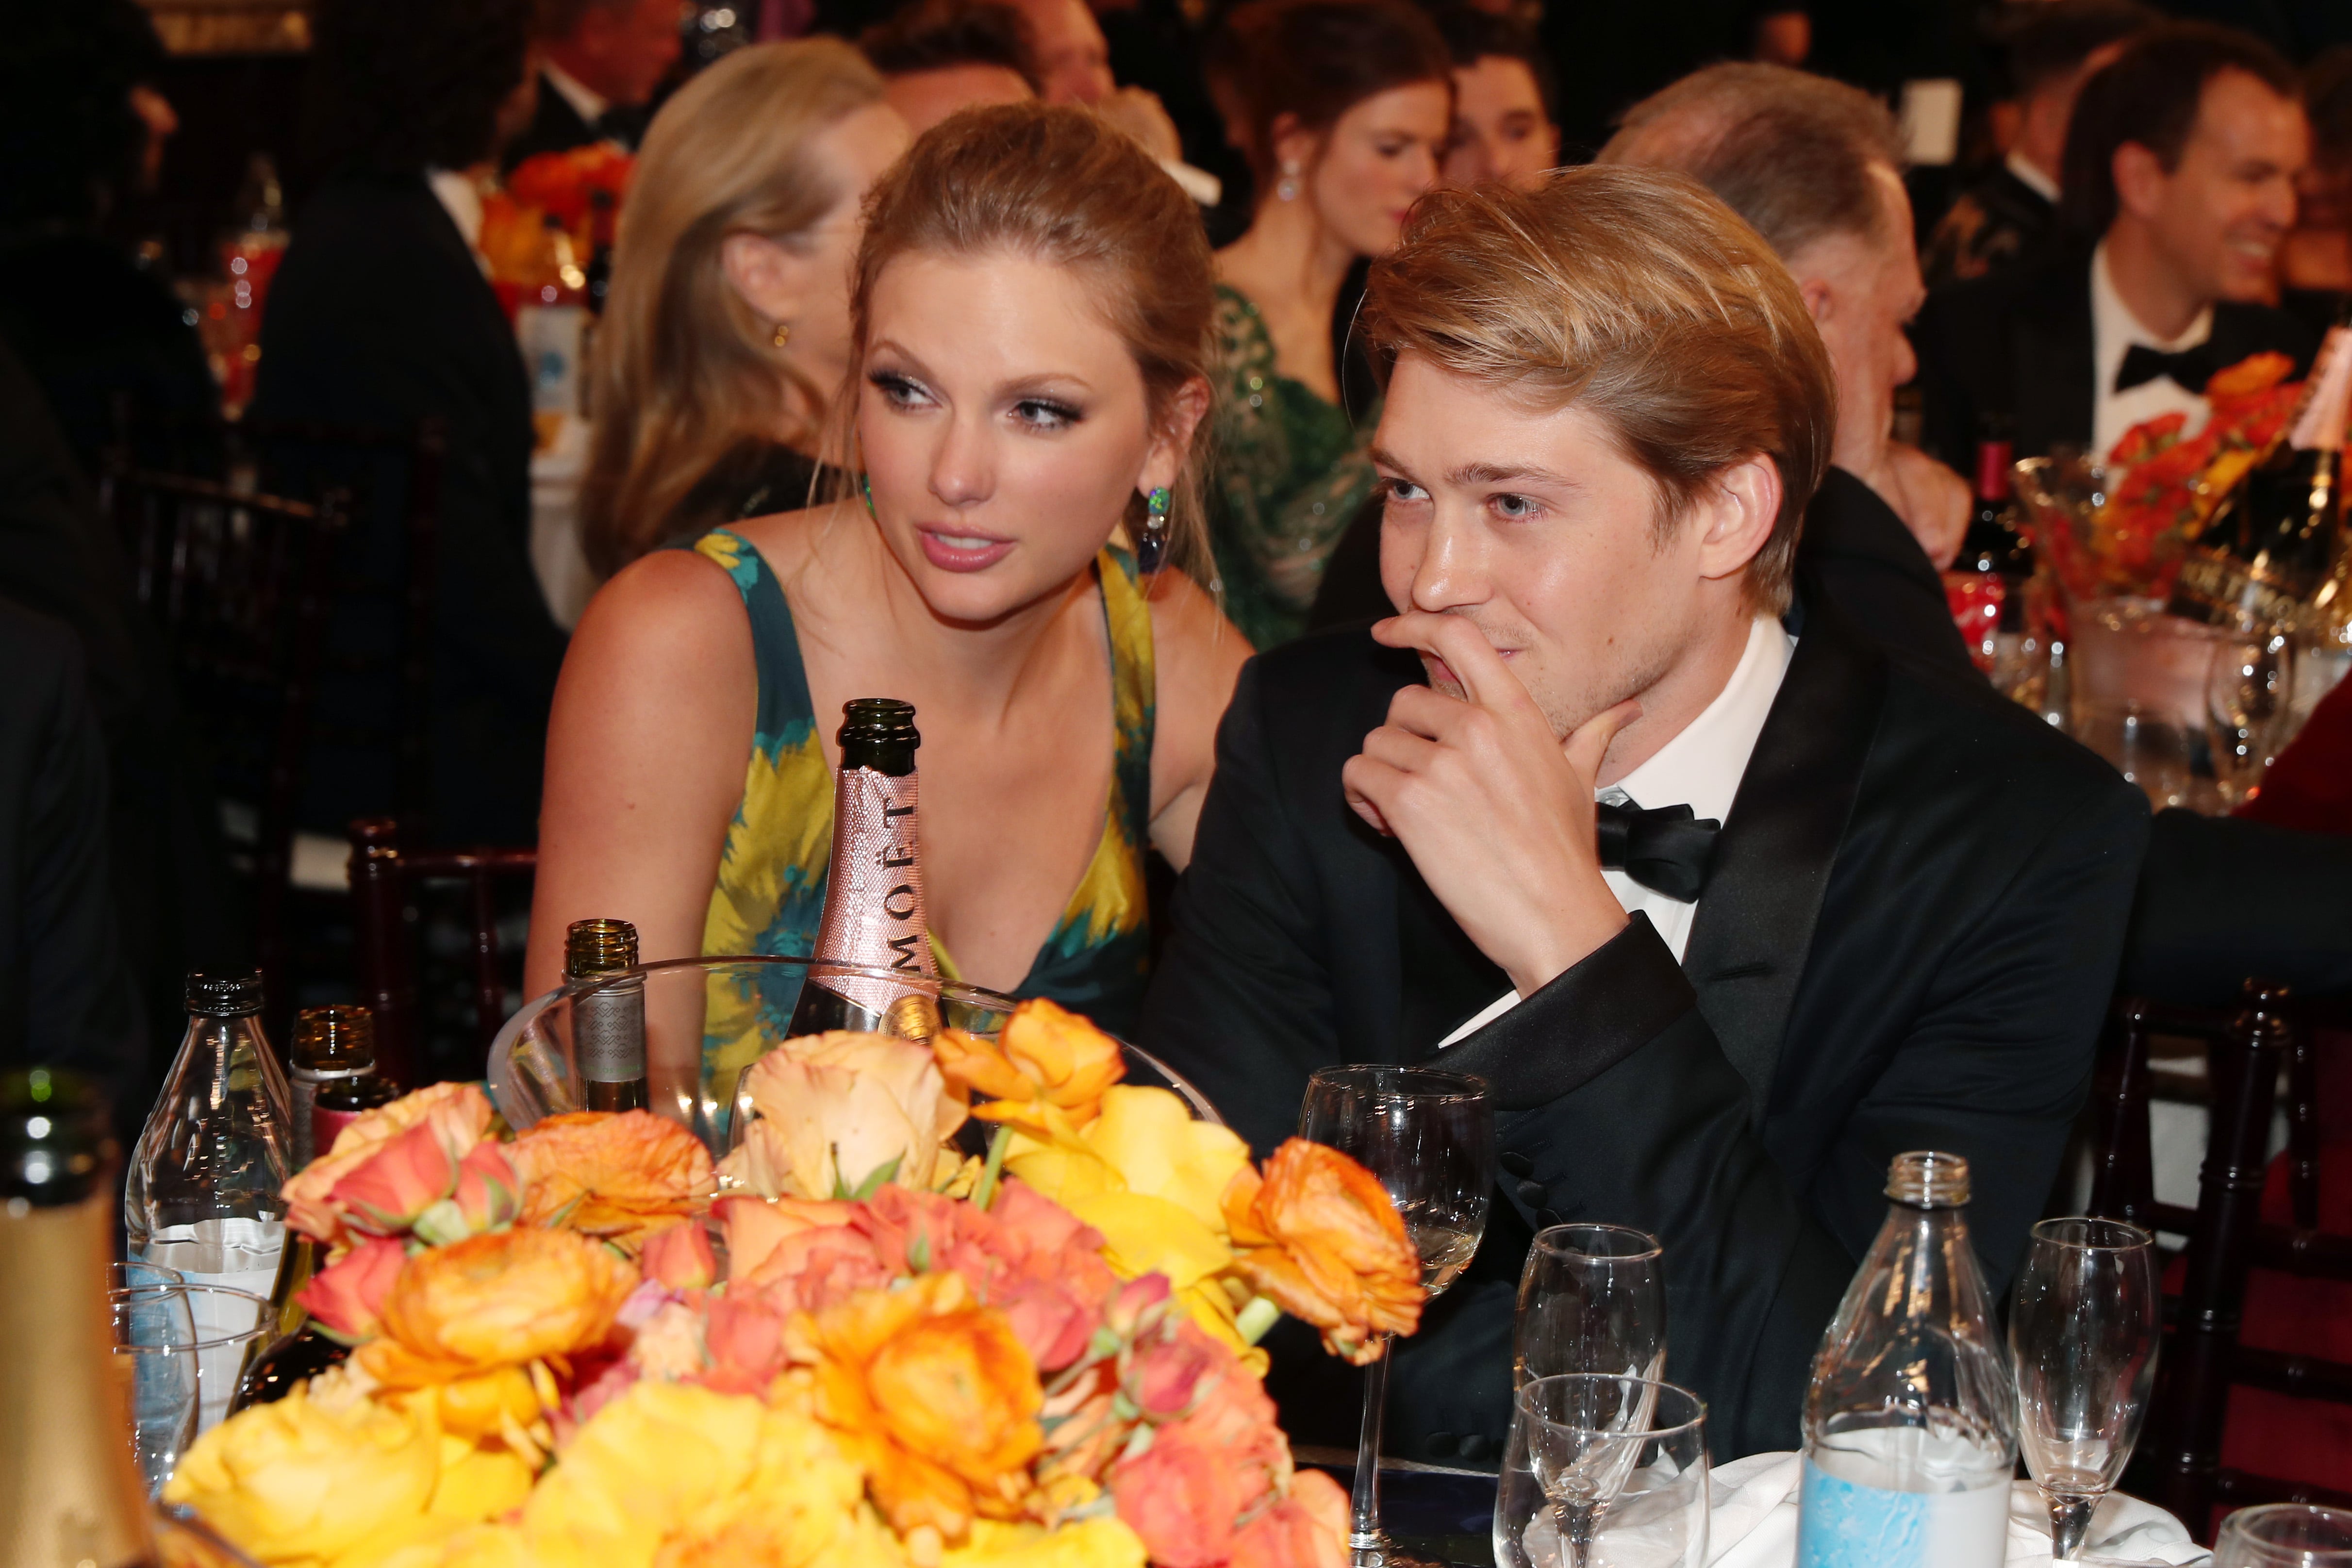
(894, 1354)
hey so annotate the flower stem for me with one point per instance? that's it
(1256, 1318)
(984, 1192)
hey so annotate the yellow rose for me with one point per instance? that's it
(801, 1507)
(1099, 1542)
(839, 1111)
(300, 1481)
(1150, 1137)
(480, 1483)
(639, 1470)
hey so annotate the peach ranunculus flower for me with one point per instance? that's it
(1045, 1056)
(1318, 1235)
(840, 1113)
(500, 1300)
(620, 1176)
(933, 1396)
(389, 1181)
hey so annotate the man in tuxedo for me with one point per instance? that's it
(2180, 169)
(600, 62)
(1484, 832)
(2009, 216)
(1815, 167)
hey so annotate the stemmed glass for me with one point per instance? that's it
(2285, 1535)
(1429, 1137)
(1603, 1469)
(2247, 696)
(2083, 1337)
(1593, 1298)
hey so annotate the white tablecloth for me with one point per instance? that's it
(1754, 1523)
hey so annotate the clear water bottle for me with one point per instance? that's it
(202, 1194)
(1910, 1423)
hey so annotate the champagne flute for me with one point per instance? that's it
(1593, 1298)
(1429, 1137)
(2246, 700)
(2083, 1337)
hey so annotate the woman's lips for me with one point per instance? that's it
(955, 550)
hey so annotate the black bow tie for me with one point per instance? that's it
(2190, 368)
(1663, 849)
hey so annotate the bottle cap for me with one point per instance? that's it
(222, 996)
(878, 733)
(599, 947)
(334, 1037)
(1926, 1178)
(56, 1146)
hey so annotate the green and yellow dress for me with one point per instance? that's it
(779, 852)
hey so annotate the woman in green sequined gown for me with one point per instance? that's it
(1352, 101)
(1011, 423)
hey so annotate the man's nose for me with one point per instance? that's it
(1452, 572)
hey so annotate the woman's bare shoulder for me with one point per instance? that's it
(1197, 654)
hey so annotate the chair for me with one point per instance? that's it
(240, 582)
(383, 880)
(2227, 1235)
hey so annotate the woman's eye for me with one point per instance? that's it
(1043, 413)
(897, 390)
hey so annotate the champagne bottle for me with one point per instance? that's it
(1910, 1429)
(874, 894)
(69, 1487)
(2267, 550)
(608, 1023)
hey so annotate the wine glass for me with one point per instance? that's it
(1603, 1469)
(1429, 1137)
(2083, 1337)
(155, 1353)
(2247, 696)
(2285, 1535)
(1593, 1298)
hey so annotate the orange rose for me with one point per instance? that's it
(680, 1256)
(1318, 1235)
(347, 1300)
(621, 1175)
(458, 1116)
(1045, 1054)
(499, 1299)
(933, 1396)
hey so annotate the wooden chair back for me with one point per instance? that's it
(383, 880)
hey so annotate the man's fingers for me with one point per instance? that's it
(1401, 749)
(1486, 678)
(1589, 742)
(1362, 778)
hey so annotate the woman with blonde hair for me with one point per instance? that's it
(1030, 321)
(725, 334)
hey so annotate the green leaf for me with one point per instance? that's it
(877, 1177)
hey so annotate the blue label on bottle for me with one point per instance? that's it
(1844, 1525)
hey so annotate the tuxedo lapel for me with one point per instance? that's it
(2056, 368)
(1755, 922)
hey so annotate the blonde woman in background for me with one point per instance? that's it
(726, 333)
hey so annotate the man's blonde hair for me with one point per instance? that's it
(1640, 298)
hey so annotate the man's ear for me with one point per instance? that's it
(773, 279)
(2140, 179)
(1818, 301)
(1734, 514)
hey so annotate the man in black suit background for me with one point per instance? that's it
(1608, 412)
(600, 63)
(2179, 185)
(380, 317)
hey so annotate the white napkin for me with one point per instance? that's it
(1753, 1523)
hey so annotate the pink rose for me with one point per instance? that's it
(1164, 1379)
(407, 1176)
(347, 1299)
(1309, 1529)
(1180, 1497)
(680, 1256)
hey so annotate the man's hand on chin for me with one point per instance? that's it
(1495, 811)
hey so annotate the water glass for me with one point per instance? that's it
(1429, 1137)
(232, 1326)
(1603, 1471)
(2248, 697)
(2149, 746)
(155, 1355)
(2285, 1535)
(2083, 1337)
(1593, 1298)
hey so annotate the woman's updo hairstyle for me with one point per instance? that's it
(1052, 183)
(1313, 60)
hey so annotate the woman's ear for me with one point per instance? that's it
(1173, 441)
(775, 280)
(1293, 146)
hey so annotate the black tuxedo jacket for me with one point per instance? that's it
(1908, 941)
(555, 127)
(2019, 344)
(379, 317)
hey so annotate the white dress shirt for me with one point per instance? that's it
(2113, 330)
(461, 198)
(586, 102)
(1701, 768)
(2031, 177)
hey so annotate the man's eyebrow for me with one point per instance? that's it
(1498, 473)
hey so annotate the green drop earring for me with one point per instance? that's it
(1153, 547)
(866, 488)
